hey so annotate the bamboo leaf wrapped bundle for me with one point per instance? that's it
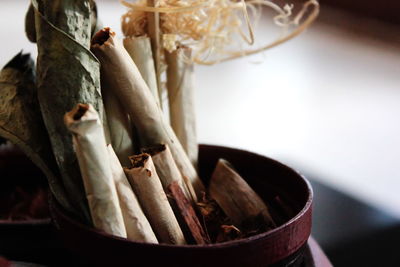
(68, 73)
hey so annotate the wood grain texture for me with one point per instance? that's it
(238, 200)
(188, 214)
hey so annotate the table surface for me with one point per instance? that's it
(318, 257)
(325, 102)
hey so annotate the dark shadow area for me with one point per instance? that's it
(385, 10)
(353, 233)
(379, 248)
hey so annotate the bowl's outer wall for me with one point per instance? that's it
(260, 250)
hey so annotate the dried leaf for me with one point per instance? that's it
(30, 29)
(21, 121)
(68, 73)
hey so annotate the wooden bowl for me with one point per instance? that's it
(287, 192)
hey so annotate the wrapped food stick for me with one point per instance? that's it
(119, 124)
(91, 150)
(139, 48)
(139, 102)
(238, 200)
(137, 226)
(147, 186)
(180, 85)
(167, 169)
(67, 73)
(154, 31)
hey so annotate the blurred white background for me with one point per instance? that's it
(327, 103)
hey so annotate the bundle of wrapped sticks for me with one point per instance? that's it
(91, 118)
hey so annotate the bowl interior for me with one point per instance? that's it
(286, 193)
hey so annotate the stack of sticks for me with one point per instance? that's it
(154, 198)
(127, 170)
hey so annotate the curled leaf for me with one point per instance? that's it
(21, 121)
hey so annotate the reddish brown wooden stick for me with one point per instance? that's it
(188, 214)
(238, 200)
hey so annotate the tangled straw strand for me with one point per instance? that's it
(210, 26)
